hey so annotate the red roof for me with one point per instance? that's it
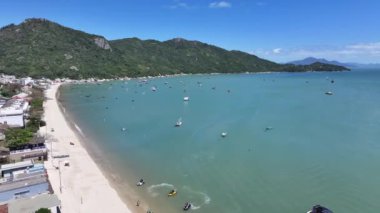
(4, 208)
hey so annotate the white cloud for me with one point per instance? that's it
(362, 52)
(260, 3)
(369, 46)
(220, 4)
(277, 51)
(179, 5)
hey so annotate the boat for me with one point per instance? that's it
(319, 209)
(172, 193)
(123, 129)
(178, 123)
(328, 93)
(186, 98)
(268, 128)
(153, 89)
(187, 206)
(141, 182)
(224, 134)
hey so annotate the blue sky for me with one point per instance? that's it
(279, 30)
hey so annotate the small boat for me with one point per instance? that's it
(224, 134)
(319, 209)
(187, 206)
(268, 128)
(141, 182)
(123, 129)
(172, 193)
(153, 89)
(186, 98)
(329, 93)
(178, 123)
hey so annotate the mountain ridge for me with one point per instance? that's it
(310, 60)
(41, 48)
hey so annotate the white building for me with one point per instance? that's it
(26, 81)
(5, 79)
(49, 201)
(12, 112)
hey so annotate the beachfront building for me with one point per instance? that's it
(48, 201)
(7, 79)
(4, 154)
(23, 180)
(26, 81)
(34, 150)
(13, 111)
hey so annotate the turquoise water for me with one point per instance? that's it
(322, 149)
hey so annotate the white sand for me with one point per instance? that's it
(84, 187)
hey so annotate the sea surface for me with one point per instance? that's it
(289, 146)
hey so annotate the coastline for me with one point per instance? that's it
(82, 187)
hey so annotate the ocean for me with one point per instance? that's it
(288, 147)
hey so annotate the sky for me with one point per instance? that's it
(278, 30)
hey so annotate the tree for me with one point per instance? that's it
(43, 210)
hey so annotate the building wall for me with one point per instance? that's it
(13, 120)
(30, 191)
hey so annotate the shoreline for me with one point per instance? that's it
(83, 186)
(95, 80)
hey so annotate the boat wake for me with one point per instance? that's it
(198, 198)
(154, 188)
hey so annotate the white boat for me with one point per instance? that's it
(123, 129)
(328, 93)
(224, 134)
(141, 182)
(178, 123)
(186, 98)
(154, 89)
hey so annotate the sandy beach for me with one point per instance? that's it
(81, 186)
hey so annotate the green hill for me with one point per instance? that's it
(41, 48)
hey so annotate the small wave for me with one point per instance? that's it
(152, 188)
(79, 130)
(205, 199)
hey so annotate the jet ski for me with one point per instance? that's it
(141, 182)
(172, 193)
(319, 209)
(187, 206)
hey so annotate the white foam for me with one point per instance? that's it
(79, 130)
(206, 199)
(152, 188)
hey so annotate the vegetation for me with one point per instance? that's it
(17, 137)
(9, 90)
(43, 210)
(40, 48)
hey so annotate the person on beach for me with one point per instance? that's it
(138, 203)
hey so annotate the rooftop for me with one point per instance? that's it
(34, 203)
(16, 165)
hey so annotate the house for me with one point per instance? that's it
(35, 150)
(26, 81)
(27, 205)
(22, 180)
(5, 79)
(21, 95)
(4, 154)
(12, 112)
(11, 167)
